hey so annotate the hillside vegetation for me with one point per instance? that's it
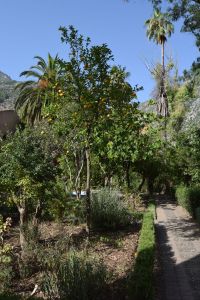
(7, 92)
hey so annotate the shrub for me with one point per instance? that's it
(140, 283)
(188, 197)
(5, 256)
(194, 195)
(182, 196)
(75, 277)
(108, 210)
(197, 214)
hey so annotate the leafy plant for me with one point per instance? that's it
(108, 210)
(74, 277)
(27, 170)
(5, 256)
(188, 197)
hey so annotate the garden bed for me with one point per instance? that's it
(116, 249)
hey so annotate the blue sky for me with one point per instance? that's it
(30, 27)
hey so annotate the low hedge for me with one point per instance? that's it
(141, 278)
(189, 198)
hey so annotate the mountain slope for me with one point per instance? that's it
(7, 92)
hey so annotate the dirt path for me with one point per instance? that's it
(178, 239)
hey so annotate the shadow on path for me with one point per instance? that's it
(178, 248)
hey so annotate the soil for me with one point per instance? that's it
(116, 249)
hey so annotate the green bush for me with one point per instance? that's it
(140, 283)
(182, 196)
(188, 197)
(77, 277)
(6, 272)
(108, 210)
(197, 214)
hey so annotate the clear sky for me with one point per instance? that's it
(30, 27)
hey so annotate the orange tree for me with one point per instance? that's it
(96, 96)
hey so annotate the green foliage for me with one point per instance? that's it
(68, 208)
(76, 276)
(188, 197)
(184, 93)
(182, 196)
(159, 27)
(188, 156)
(35, 95)
(188, 10)
(27, 168)
(108, 210)
(197, 214)
(141, 279)
(5, 256)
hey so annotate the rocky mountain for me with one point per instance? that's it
(7, 92)
(191, 117)
(192, 114)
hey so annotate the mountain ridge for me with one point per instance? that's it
(8, 93)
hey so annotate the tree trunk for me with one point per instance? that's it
(23, 218)
(128, 175)
(150, 185)
(163, 57)
(162, 106)
(79, 159)
(38, 213)
(88, 191)
(141, 184)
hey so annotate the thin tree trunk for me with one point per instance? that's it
(128, 175)
(163, 57)
(141, 184)
(88, 191)
(23, 219)
(150, 182)
(79, 166)
(38, 213)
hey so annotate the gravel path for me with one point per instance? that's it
(178, 239)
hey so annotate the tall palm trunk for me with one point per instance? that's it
(162, 107)
(163, 56)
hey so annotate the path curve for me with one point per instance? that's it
(178, 240)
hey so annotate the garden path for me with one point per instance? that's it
(178, 240)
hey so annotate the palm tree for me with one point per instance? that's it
(38, 92)
(159, 28)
